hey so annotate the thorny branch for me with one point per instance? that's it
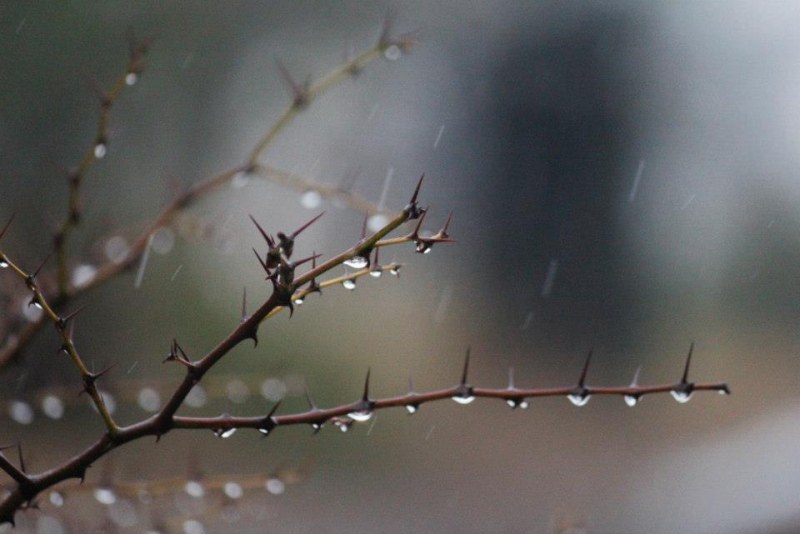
(288, 289)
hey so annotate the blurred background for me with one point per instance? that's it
(622, 175)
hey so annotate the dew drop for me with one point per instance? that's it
(194, 489)
(225, 433)
(349, 284)
(723, 392)
(83, 275)
(273, 389)
(299, 301)
(579, 399)
(311, 199)
(100, 150)
(392, 53)
(149, 399)
(376, 222)
(394, 270)
(631, 400)
(116, 249)
(131, 78)
(237, 391)
(412, 408)
(163, 241)
(53, 407)
(105, 496)
(517, 403)
(197, 397)
(463, 399)
(3, 262)
(316, 426)
(681, 395)
(343, 425)
(376, 273)
(423, 247)
(21, 412)
(56, 499)
(193, 526)
(233, 490)
(275, 486)
(360, 416)
(357, 262)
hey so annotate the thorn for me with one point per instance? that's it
(262, 262)
(299, 92)
(411, 386)
(21, 458)
(268, 423)
(306, 225)
(582, 380)
(635, 381)
(39, 268)
(270, 241)
(62, 321)
(442, 234)
(412, 209)
(684, 379)
(7, 225)
(364, 226)
(511, 378)
(422, 213)
(298, 263)
(365, 396)
(310, 400)
(466, 368)
(244, 302)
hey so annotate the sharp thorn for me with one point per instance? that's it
(365, 396)
(582, 380)
(264, 234)
(685, 378)
(39, 268)
(7, 225)
(310, 400)
(635, 381)
(306, 225)
(244, 304)
(466, 368)
(262, 262)
(511, 378)
(413, 200)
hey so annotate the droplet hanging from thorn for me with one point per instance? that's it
(579, 399)
(681, 395)
(412, 408)
(3, 262)
(631, 400)
(349, 284)
(463, 399)
(100, 150)
(360, 416)
(224, 433)
(357, 262)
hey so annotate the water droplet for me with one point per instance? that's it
(412, 408)
(149, 399)
(3, 262)
(311, 199)
(424, 247)
(275, 486)
(394, 270)
(342, 424)
(21, 412)
(131, 78)
(392, 53)
(105, 496)
(376, 222)
(316, 426)
(163, 240)
(193, 526)
(463, 399)
(53, 407)
(273, 389)
(377, 272)
(225, 433)
(360, 416)
(194, 489)
(116, 249)
(357, 262)
(349, 284)
(517, 403)
(723, 392)
(265, 430)
(100, 150)
(631, 400)
(579, 399)
(239, 180)
(299, 301)
(237, 391)
(56, 499)
(233, 490)
(197, 397)
(83, 275)
(681, 395)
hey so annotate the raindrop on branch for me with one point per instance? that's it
(194, 489)
(233, 490)
(225, 433)
(357, 262)
(392, 53)
(360, 416)
(131, 78)
(100, 150)
(463, 399)
(631, 400)
(275, 486)
(349, 284)
(579, 399)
